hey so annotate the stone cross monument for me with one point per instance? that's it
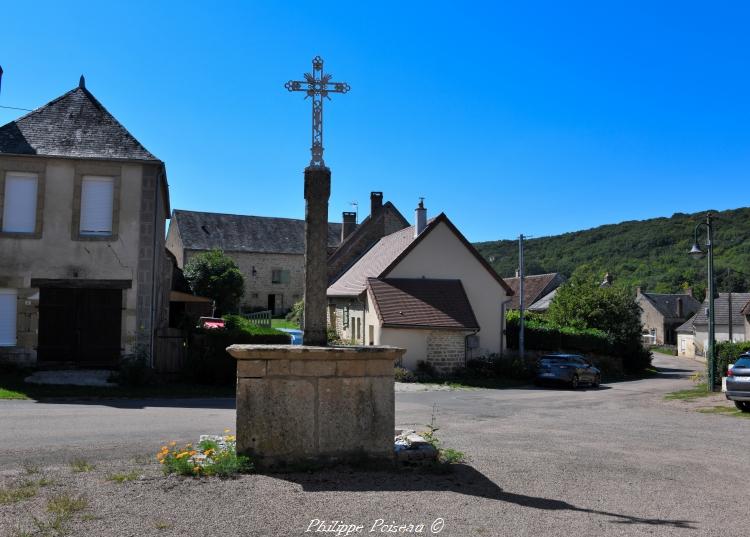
(317, 86)
(314, 404)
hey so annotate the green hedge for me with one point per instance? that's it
(539, 334)
(207, 360)
(727, 353)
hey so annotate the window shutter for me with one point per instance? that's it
(7, 317)
(19, 205)
(284, 276)
(97, 195)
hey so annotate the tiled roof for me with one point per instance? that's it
(239, 233)
(372, 263)
(666, 304)
(721, 310)
(422, 303)
(535, 287)
(74, 125)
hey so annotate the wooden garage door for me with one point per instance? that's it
(80, 325)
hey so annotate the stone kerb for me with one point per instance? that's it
(300, 405)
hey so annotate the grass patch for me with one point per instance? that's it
(162, 525)
(123, 477)
(64, 505)
(690, 394)
(283, 323)
(16, 494)
(725, 410)
(7, 393)
(30, 468)
(81, 465)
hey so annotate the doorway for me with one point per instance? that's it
(272, 304)
(80, 325)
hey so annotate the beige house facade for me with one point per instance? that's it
(83, 206)
(662, 314)
(426, 289)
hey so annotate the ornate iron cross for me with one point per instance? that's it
(317, 85)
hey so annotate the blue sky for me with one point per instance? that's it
(523, 117)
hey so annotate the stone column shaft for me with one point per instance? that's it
(317, 192)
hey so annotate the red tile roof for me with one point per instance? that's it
(422, 303)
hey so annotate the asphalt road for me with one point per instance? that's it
(612, 461)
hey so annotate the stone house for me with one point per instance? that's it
(83, 207)
(270, 252)
(424, 288)
(538, 290)
(662, 314)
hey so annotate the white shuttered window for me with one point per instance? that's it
(97, 195)
(7, 317)
(19, 202)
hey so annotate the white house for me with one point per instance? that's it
(424, 288)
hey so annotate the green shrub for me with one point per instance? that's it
(207, 361)
(726, 353)
(295, 314)
(402, 374)
(135, 368)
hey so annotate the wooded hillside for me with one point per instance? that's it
(650, 253)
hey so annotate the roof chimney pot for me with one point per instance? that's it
(348, 224)
(376, 202)
(420, 218)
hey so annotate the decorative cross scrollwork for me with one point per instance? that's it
(317, 85)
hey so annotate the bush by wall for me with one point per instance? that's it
(540, 334)
(207, 359)
(727, 353)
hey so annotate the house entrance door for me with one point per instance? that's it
(80, 325)
(272, 304)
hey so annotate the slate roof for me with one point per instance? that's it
(543, 303)
(535, 287)
(422, 303)
(74, 125)
(721, 310)
(666, 304)
(372, 263)
(686, 327)
(240, 233)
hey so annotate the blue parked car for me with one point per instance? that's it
(570, 369)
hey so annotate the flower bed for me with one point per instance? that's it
(215, 455)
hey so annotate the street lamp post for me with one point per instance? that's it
(697, 253)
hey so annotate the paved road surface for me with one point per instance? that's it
(617, 460)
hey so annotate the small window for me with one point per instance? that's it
(19, 205)
(97, 201)
(8, 304)
(279, 276)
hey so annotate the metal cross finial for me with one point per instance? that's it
(317, 85)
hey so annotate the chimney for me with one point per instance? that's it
(638, 291)
(376, 202)
(689, 291)
(420, 218)
(349, 224)
(607, 280)
(518, 273)
(679, 307)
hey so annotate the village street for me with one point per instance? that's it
(619, 460)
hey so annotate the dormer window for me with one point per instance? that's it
(97, 201)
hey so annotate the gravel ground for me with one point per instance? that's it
(615, 461)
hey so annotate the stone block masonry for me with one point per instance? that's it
(446, 350)
(302, 405)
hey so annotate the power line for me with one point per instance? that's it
(16, 108)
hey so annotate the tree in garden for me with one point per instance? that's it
(581, 303)
(214, 275)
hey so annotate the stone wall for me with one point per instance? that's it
(311, 405)
(446, 350)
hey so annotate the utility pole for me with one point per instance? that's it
(521, 303)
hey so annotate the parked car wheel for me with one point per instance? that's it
(574, 382)
(744, 406)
